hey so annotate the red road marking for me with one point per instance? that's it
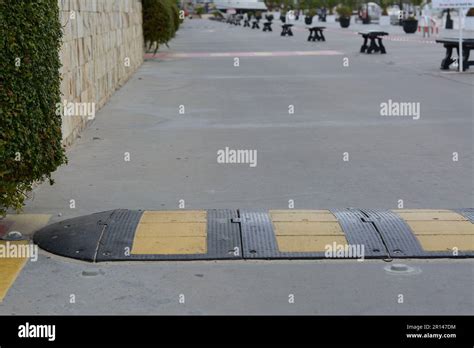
(4, 227)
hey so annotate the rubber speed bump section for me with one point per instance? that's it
(76, 238)
(258, 239)
(179, 232)
(441, 233)
(306, 230)
(395, 232)
(10, 267)
(116, 242)
(171, 235)
(360, 231)
(288, 234)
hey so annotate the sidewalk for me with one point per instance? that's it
(337, 110)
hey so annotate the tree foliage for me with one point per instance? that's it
(160, 22)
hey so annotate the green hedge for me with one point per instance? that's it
(160, 22)
(30, 130)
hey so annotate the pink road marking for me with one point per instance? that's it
(242, 54)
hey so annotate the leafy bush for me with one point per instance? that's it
(470, 13)
(199, 10)
(344, 11)
(176, 20)
(160, 22)
(311, 13)
(30, 129)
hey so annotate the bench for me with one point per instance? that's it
(316, 33)
(267, 26)
(449, 44)
(286, 30)
(374, 46)
(255, 24)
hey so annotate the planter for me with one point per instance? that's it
(384, 20)
(344, 21)
(308, 20)
(410, 26)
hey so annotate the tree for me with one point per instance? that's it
(160, 22)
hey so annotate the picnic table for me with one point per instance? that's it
(246, 23)
(286, 30)
(449, 44)
(255, 24)
(316, 33)
(374, 46)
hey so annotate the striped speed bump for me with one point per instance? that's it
(123, 235)
(440, 232)
(306, 230)
(289, 233)
(259, 234)
(308, 234)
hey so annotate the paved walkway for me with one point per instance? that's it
(173, 156)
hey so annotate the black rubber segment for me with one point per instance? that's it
(468, 213)
(359, 231)
(223, 238)
(117, 239)
(259, 239)
(397, 236)
(75, 238)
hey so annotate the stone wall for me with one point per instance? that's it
(100, 38)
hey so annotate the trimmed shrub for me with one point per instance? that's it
(176, 20)
(30, 129)
(344, 11)
(160, 22)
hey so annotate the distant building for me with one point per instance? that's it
(240, 4)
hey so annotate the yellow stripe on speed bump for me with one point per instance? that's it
(171, 233)
(306, 230)
(440, 230)
(10, 268)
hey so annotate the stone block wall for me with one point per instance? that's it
(102, 47)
